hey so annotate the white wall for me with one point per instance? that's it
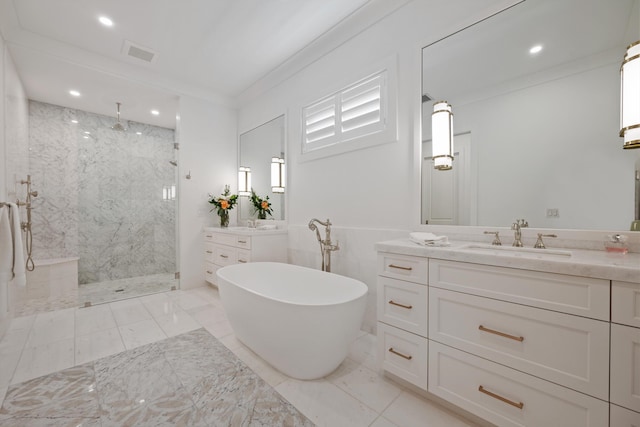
(368, 194)
(13, 147)
(207, 134)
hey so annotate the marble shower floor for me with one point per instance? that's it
(108, 340)
(95, 293)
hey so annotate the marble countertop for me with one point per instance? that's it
(585, 263)
(246, 231)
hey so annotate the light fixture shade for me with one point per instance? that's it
(277, 175)
(442, 136)
(630, 97)
(244, 181)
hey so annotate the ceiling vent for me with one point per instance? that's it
(139, 52)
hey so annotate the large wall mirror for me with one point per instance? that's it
(257, 148)
(536, 133)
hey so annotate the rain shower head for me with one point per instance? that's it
(118, 126)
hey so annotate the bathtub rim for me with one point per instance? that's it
(364, 289)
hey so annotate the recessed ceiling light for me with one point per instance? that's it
(86, 137)
(87, 132)
(155, 112)
(138, 133)
(107, 22)
(535, 49)
(74, 121)
(73, 92)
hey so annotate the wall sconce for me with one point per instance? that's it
(277, 175)
(630, 97)
(442, 136)
(244, 181)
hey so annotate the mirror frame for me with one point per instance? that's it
(285, 204)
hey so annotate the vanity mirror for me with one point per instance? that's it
(536, 133)
(256, 150)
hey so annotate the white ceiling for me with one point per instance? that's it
(214, 49)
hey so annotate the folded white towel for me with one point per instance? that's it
(6, 246)
(428, 239)
(267, 227)
(19, 272)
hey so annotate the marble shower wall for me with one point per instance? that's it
(101, 193)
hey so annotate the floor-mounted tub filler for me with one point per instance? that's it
(299, 320)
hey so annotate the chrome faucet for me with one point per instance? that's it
(326, 247)
(516, 226)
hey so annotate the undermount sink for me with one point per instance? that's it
(511, 250)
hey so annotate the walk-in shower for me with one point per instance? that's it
(104, 200)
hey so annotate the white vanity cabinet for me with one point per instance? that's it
(240, 245)
(625, 353)
(402, 316)
(511, 344)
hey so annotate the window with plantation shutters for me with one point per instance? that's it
(356, 111)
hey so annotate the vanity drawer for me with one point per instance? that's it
(625, 366)
(403, 304)
(209, 252)
(625, 303)
(224, 255)
(569, 350)
(223, 238)
(507, 397)
(244, 256)
(243, 242)
(403, 267)
(583, 296)
(403, 354)
(622, 417)
(210, 272)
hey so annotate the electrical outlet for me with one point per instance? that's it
(553, 213)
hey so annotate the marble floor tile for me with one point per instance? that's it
(325, 404)
(94, 319)
(61, 398)
(140, 333)
(177, 323)
(220, 329)
(44, 359)
(160, 304)
(363, 350)
(375, 391)
(187, 300)
(208, 314)
(129, 311)
(52, 326)
(383, 422)
(411, 410)
(271, 375)
(90, 347)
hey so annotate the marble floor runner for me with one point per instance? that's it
(188, 380)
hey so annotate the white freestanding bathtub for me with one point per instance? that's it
(300, 320)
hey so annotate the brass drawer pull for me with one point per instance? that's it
(408, 307)
(209, 252)
(209, 272)
(518, 405)
(502, 334)
(224, 256)
(209, 235)
(242, 261)
(242, 241)
(399, 267)
(391, 350)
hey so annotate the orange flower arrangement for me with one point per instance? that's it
(260, 205)
(224, 204)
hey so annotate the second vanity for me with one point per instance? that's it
(518, 338)
(238, 245)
